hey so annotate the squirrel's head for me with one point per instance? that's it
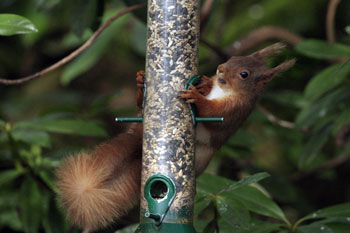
(249, 74)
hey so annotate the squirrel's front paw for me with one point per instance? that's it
(192, 95)
(139, 83)
(140, 75)
(205, 86)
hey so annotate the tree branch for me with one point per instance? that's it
(260, 35)
(332, 8)
(75, 53)
(272, 118)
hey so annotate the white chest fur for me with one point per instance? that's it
(217, 92)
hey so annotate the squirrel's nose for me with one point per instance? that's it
(221, 69)
(220, 73)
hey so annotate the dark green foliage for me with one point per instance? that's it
(322, 50)
(292, 179)
(15, 24)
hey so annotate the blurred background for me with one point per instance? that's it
(299, 133)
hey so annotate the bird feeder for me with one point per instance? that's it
(168, 178)
(168, 175)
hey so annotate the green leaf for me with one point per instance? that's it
(337, 225)
(255, 201)
(211, 184)
(30, 204)
(8, 214)
(54, 220)
(65, 126)
(9, 218)
(315, 228)
(199, 224)
(202, 201)
(9, 175)
(322, 49)
(264, 227)
(340, 227)
(315, 144)
(211, 227)
(225, 227)
(247, 180)
(336, 211)
(49, 181)
(8, 199)
(11, 24)
(250, 197)
(318, 109)
(36, 137)
(341, 120)
(255, 226)
(232, 211)
(326, 80)
(90, 56)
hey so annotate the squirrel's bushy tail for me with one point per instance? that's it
(99, 187)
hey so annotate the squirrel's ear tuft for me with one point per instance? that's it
(284, 66)
(280, 68)
(268, 51)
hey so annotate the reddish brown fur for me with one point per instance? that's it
(139, 82)
(242, 92)
(97, 188)
(205, 86)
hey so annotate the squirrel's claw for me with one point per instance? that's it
(205, 86)
(192, 95)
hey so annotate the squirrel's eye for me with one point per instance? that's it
(244, 74)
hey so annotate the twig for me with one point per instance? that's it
(75, 53)
(272, 118)
(333, 163)
(332, 8)
(260, 35)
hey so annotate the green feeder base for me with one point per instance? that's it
(165, 228)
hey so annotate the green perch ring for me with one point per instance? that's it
(194, 80)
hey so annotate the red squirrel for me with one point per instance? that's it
(98, 187)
